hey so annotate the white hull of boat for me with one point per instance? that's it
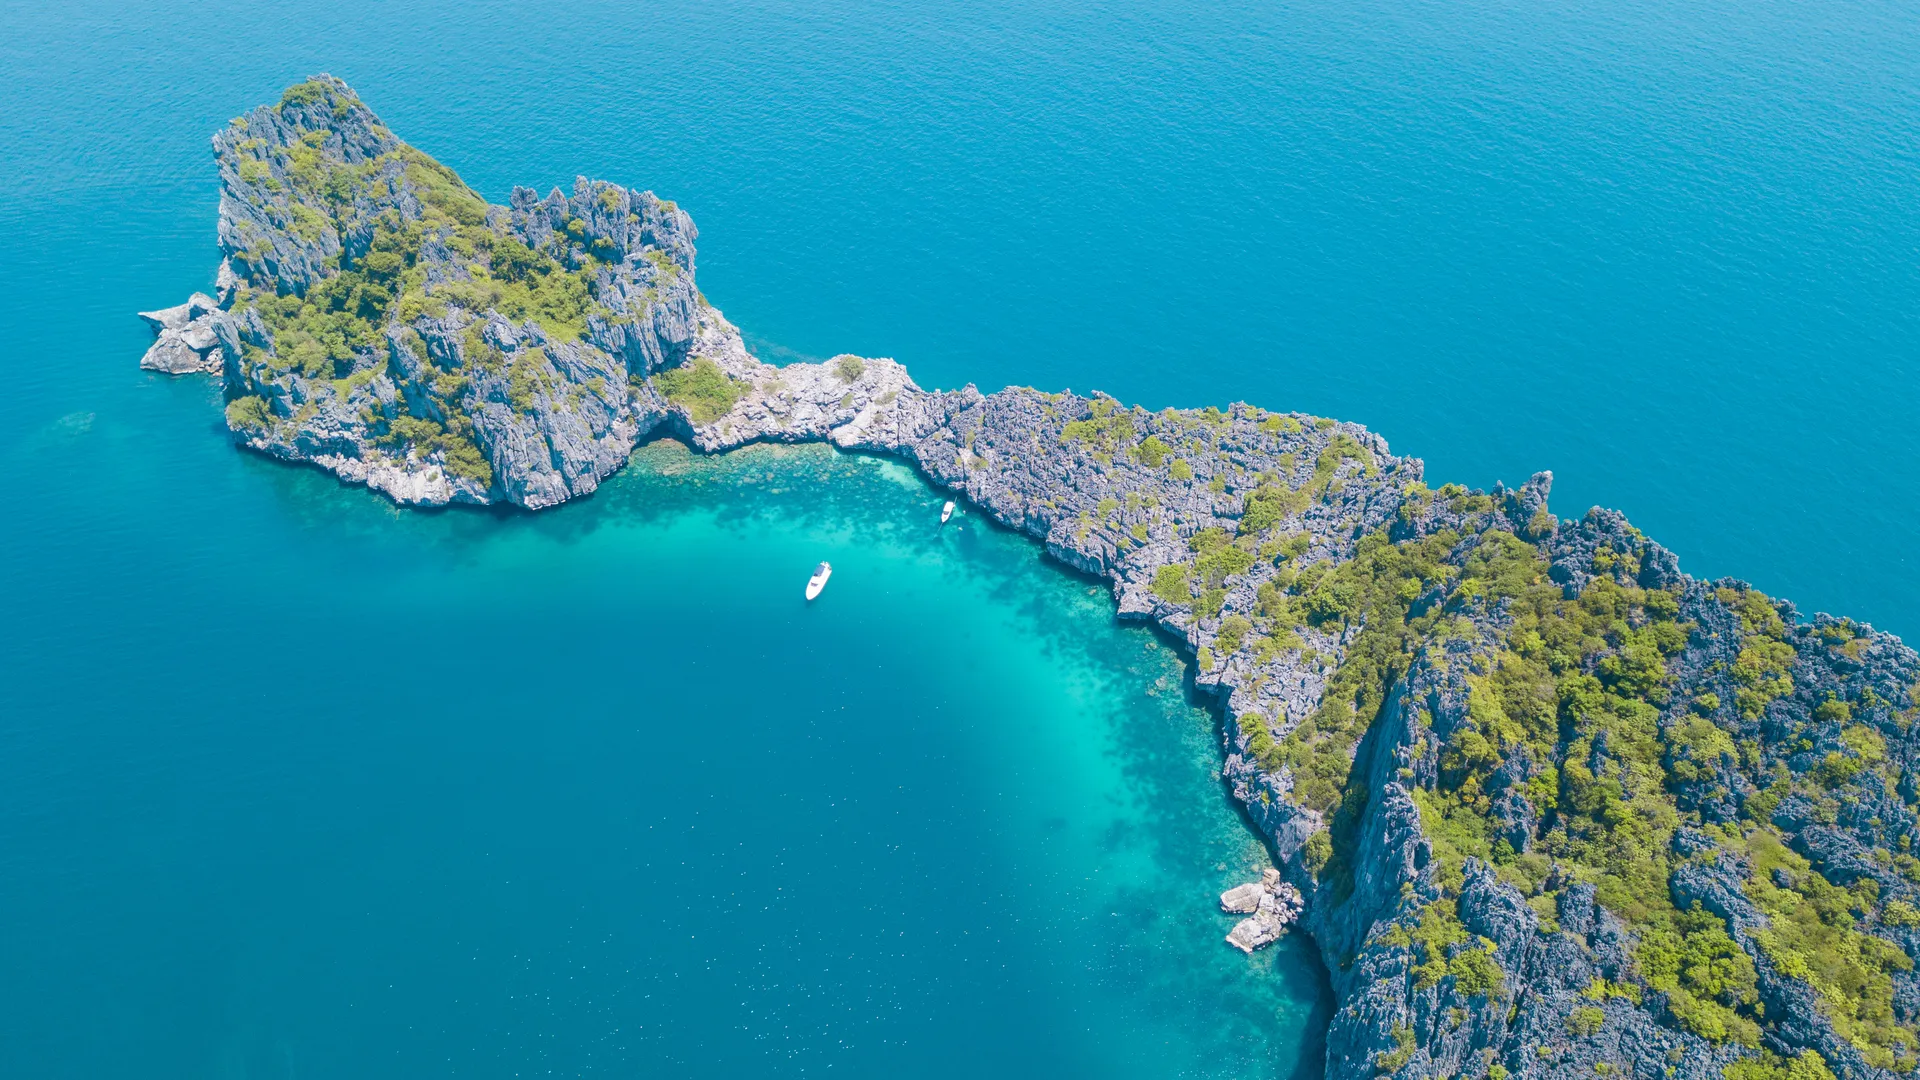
(819, 580)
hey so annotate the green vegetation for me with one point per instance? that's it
(849, 367)
(1375, 589)
(1108, 431)
(1391, 1061)
(249, 413)
(1813, 936)
(1770, 1066)
(1151, 451)
(528, 377)
(1339, 450)
(413, 214)
(340, 323)
(1444, 950)
(1573, 676)
(1170, 584)
(1218, 559)
(554, 299)
(1704, 972)
(311, 92)
(1268, 505)
(256, 172)
(1586, 1020)
(453, 440)
(1233, 630)
(451, 437)
(1575, 686)
(706, 392)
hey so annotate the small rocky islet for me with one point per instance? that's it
(1547, 805)
(1269, 905)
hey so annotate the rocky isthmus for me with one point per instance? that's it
(1547, 805)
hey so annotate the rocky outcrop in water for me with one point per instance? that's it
(1270, 906)
(1549, 806)
(187, 336)
(381, 320)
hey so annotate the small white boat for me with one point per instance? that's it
(946, 512)
(819, 579)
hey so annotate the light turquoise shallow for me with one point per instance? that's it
(295, 784)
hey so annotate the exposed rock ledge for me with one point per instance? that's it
(1269, 904)
(1468, 879)
(186, 338)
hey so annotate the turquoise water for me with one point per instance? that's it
(296, 784)
(595, 791)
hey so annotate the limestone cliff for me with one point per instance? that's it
(1555, 807)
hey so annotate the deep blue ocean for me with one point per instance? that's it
(296, 784)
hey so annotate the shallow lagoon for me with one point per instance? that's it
(596, 790)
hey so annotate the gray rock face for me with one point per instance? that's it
(1245, 899)
(495, 377)
(185, 337)
(1270, 906)
(1230, 529)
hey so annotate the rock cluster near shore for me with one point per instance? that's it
(1270, 906)
(187, 336)
(1548, 805)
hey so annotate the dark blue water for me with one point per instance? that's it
(296, 784)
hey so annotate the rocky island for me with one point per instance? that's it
(1547, 805)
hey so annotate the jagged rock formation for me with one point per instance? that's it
(381, 320)
(1269, 904)
(1554, 807)
(185, 335)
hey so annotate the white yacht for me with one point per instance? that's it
(819, 579)
(946, 512)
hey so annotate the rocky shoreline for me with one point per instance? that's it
(1270, 906)
(1547, 805)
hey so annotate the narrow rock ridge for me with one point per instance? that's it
(1552, 807)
